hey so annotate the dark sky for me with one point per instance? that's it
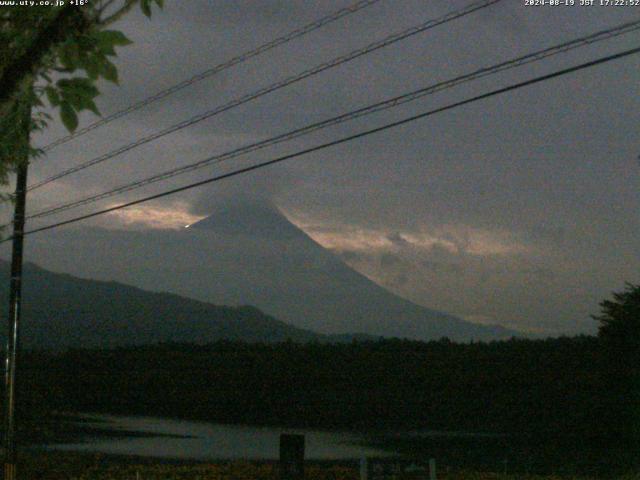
(520, 210)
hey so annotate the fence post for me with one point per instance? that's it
(432, 469)
(363, 468)
(291, 457)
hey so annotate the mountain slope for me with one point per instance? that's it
(61, 311)
(250, 254)
(333, 295)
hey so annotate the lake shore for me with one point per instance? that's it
(164, 440)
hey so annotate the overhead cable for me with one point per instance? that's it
(243, 57)
(346, 139)
(394, 38)
(361, 112)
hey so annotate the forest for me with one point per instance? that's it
(543, 396)
(570, 401)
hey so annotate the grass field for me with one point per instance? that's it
(58, 466)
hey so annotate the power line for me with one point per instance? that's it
(243, 57)
(368, 110)
(478, 5)
(349, 138)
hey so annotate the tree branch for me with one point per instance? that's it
(128, 5)
(69, 19)
(104, 6)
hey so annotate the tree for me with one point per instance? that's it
(620, 321)
(59, 54)
(619, 334)
(42, 51)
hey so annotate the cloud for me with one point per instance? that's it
(388, 260)
(509, 205)
(174, 217)
(494, 274)
(454, 239)
(443, 267)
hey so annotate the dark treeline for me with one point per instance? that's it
(555, 393)
(555, 385)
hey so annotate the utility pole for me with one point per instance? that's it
(15, 291)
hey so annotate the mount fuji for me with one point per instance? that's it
(251, 254)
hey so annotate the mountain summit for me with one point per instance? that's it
(250, 254)
(258, 219)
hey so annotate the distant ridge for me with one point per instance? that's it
(62, 311)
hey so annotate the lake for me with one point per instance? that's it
(167, 438)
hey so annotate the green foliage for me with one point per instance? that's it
(65, 71)
(619, 332)
(620, 318)
(145, 5)
(91, 53)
